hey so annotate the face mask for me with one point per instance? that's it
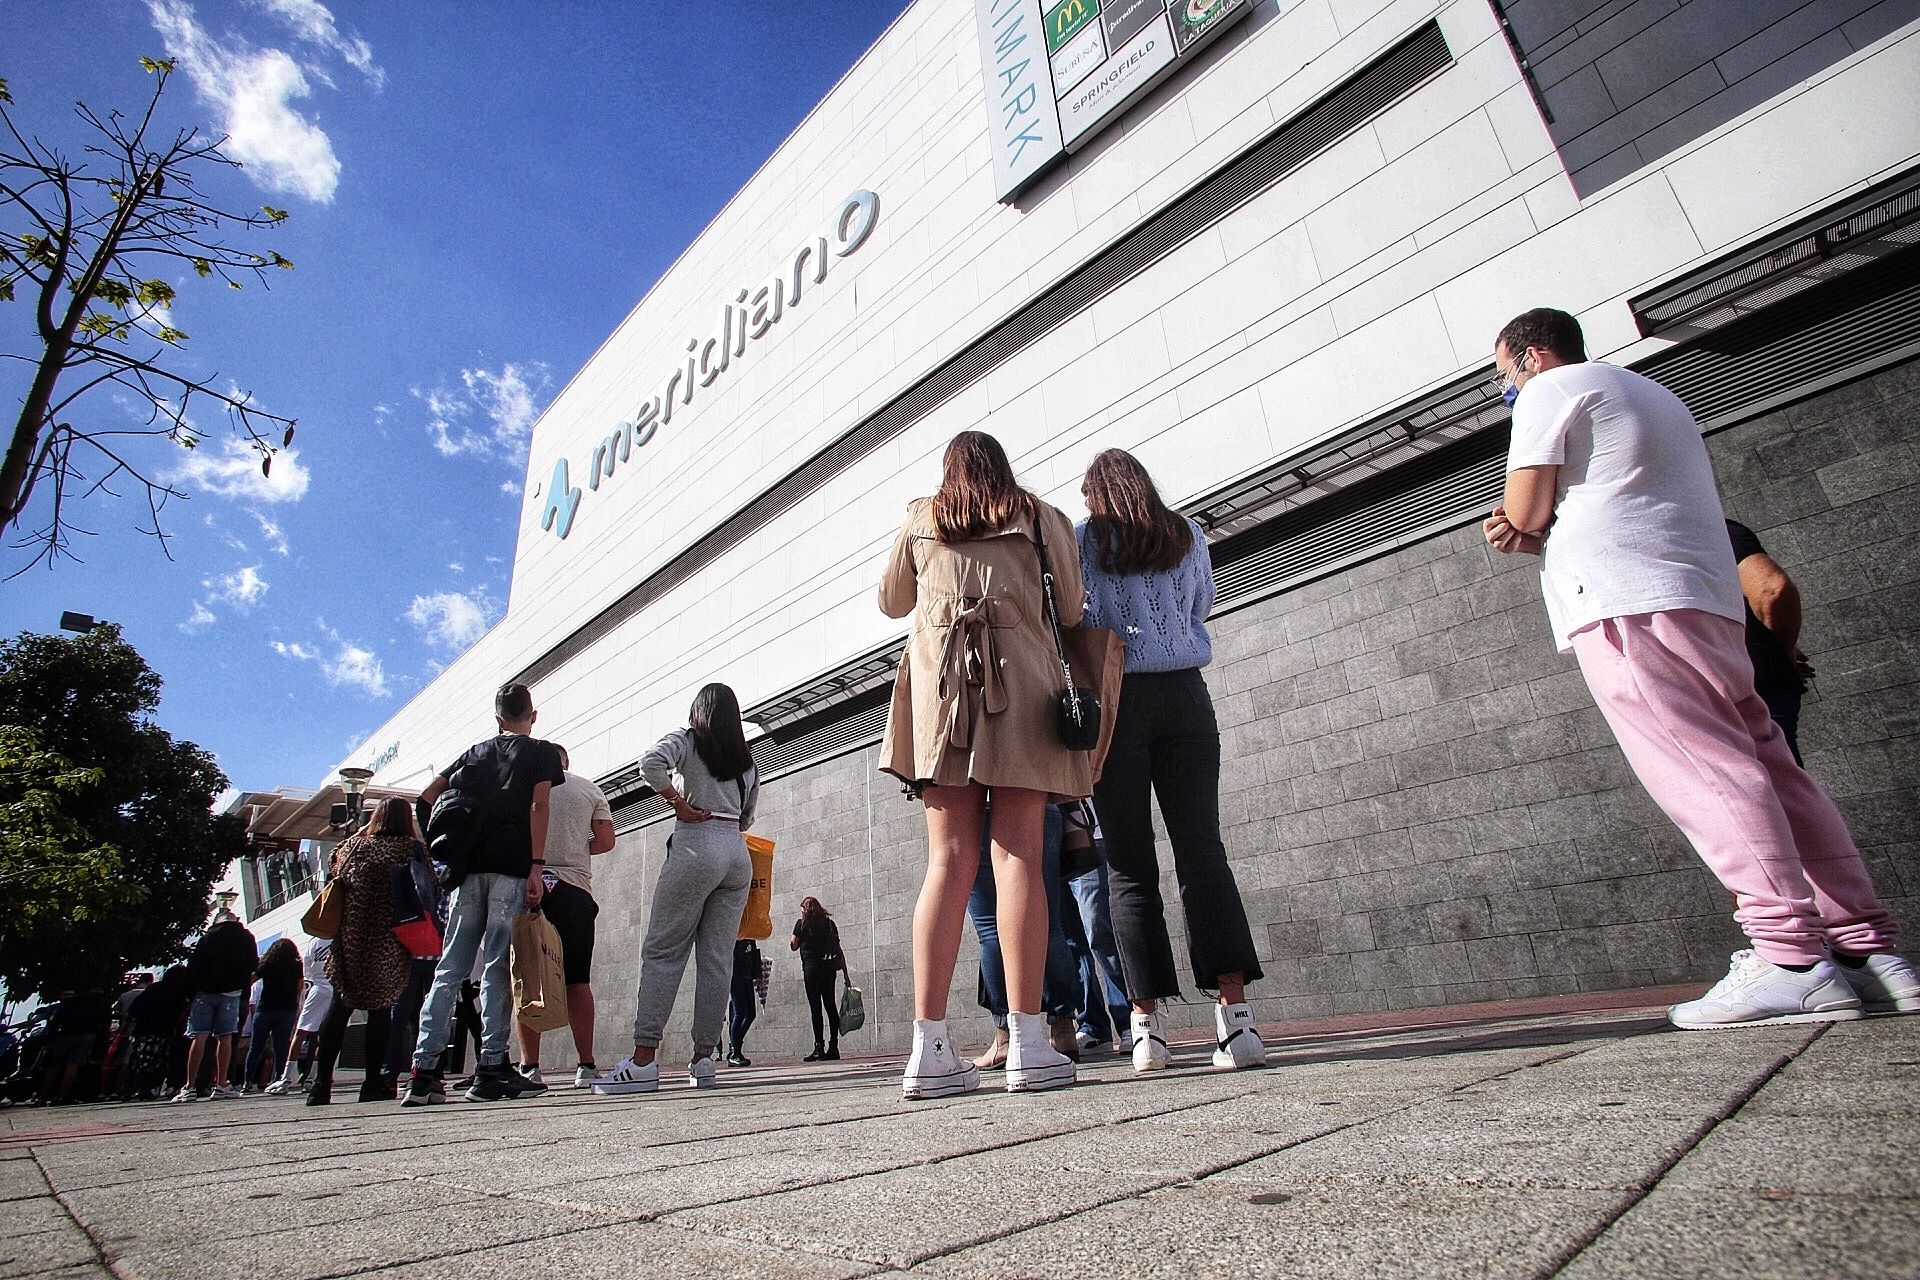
(1511, 394)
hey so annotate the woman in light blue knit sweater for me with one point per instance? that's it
(1150, 578)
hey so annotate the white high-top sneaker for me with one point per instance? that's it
(935, 1068)
(1239, 1039)
(1150, 1051)
(1032, 1061)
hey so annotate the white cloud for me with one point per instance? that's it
(242, 588)
(450, 620)
(340, 661)
(231, 469)
(510, 488)
(201, 618)
(454, 566)
(313, 23)
(254, 90)
(491, 415)
(270, 530)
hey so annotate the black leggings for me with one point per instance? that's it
(820, 995)
(334, 1030)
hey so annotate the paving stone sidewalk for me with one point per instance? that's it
(1572, 1144)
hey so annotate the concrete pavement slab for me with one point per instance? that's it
(616, 1252)
(1308, 1234)
(1739, 1236)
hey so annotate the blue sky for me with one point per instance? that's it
(479, 193)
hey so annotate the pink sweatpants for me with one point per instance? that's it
(1677, 689)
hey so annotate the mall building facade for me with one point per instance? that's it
(1266, 247)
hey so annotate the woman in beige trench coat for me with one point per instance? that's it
(973, 712)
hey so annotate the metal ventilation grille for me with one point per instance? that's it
(1882, 220)
(1836, 332)
(1343, 109)
(1434, 491)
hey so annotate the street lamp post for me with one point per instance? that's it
(353, 784)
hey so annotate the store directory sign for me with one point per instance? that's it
(1057, 71)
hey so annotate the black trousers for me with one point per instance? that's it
(1165, 738)
(334, 1030)
(741, 1015)
(821, 979)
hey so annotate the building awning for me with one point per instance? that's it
(298, 813)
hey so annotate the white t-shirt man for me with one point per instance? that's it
(572, 809)
(1637, 522)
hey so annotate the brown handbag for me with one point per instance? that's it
(322, 919)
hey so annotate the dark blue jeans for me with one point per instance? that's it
(1060, 988)
(1165, 738)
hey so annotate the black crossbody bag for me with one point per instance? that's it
(1077, 708)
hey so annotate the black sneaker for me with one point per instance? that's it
(525, 1083)
(424, 1088)
(832, 1054)
(494, 1083)
(738, 1059)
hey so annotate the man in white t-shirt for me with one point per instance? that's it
(579, 825)
(1608, 481)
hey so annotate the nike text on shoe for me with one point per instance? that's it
(1150, 1051)
(935, 1068)
(1886, 983)
(1756, 993)
(627, 1077)
(1237, 1038)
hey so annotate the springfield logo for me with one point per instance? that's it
(747, 317)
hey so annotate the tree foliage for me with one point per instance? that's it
(91, 243)
(109, 849)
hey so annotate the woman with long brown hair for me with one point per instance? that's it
(973, 713)
(817, 938)
(1149, 577)
(367, 963)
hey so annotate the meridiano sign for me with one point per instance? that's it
(745, 318)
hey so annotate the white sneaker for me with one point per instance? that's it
(583, 1077)
(1239, 1044)
(700, 1072)
(224, 1093)
(276, 1090)
(626, 1077)
(1149, 1035)
(1756, 993)
(186, 1094)
(1088, 1042)
(1886, 983)
(935, 1068)
(1033, 1063)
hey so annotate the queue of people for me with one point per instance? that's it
(1026, 809)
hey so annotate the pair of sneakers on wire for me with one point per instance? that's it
(1759, 993)
(1237, 1044)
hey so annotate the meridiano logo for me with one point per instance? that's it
(747, 317)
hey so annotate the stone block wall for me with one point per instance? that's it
(1422, 805)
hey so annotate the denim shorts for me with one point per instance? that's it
(217, 1012)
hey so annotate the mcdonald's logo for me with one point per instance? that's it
(1066, 18)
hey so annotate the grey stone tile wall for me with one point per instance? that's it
(1421, 803)
(1629, 81)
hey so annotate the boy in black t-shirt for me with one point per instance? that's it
(512, 775)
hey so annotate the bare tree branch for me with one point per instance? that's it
(98, 242)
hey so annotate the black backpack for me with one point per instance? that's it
(459, 817)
